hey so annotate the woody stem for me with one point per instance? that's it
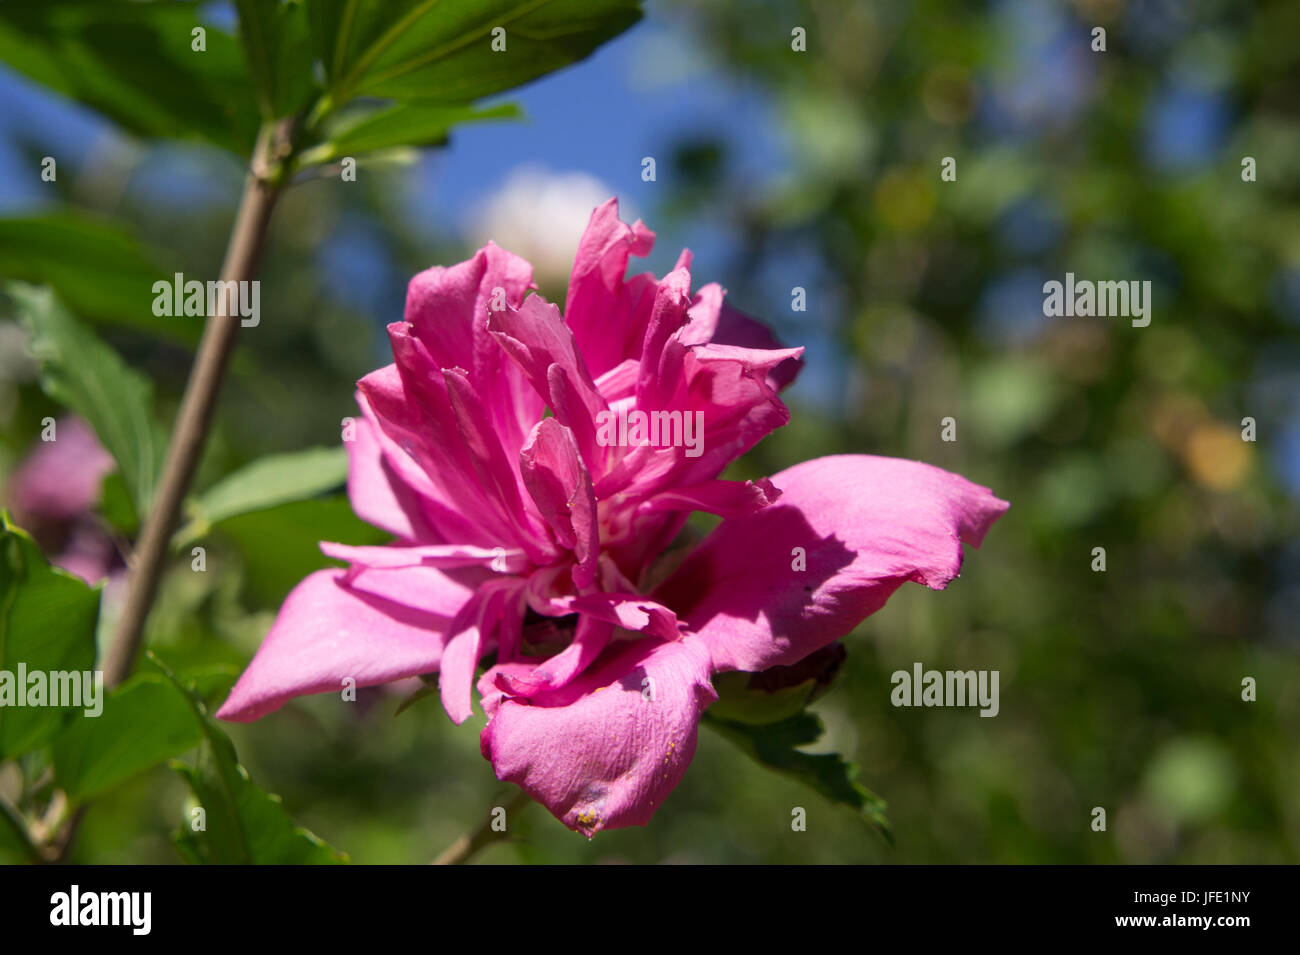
(193, 420)
(469, 843)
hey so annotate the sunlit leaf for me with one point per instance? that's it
(135, 62)
(277, 47)
(47, 624)
(442, 51)
(269, 482)
(144, 722)
(775, 745)
(403, 124)
(243, 824)
(80, 371)
(97, 267)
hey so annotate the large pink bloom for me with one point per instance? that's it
(527, 538)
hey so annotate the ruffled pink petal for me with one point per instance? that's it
(865, 525)
(560, 486)
(378, 494)
(411, 428)
(672, 298)
(510, 636)
(448, 310)
(500, 559)
(435, 416)
(572, 406)
(431, 589)
(436, 519)
(327, 632)
(589, 640)
(536, 338)
(630, 611)
(740, 407)
(604, 751)
(724, 498)
(600, 305)
(470, 636)
(494, 678)
(722, 386)
(549, 591)
(619, 382)
(497, 472)
(713, 320)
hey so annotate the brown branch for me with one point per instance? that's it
(470, 843)
(195, 415)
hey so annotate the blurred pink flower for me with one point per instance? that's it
(52, 494)
(532, 537)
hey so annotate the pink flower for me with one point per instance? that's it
(53, 494)
(532, 538)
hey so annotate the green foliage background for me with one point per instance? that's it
(1119, 689)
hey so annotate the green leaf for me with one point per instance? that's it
(277, 47)
(427, 690)
(47, 623)
(15, 838)
(271, 481)
(80, 371)
(144, 722)
(401, 125)
(242, 824)
(738, 703)
(96, 266)
(775, 745)
(281, 545)
(135, 63)
(442, 51)
(116, 506)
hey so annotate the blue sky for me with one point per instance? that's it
(635, 97)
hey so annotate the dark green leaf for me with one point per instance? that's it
(80, 371)
(134, 62)
(97, 267)
(47, 623)
(15, 839)
(116, 506)
(145, 721)
(442, 51)
(277, 48)
(738, 703)
(242, 824)
(400, 125)
(281, 545)
(425, 691)
(775, 745)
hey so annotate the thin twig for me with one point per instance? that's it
(61, 844)
(195, 415)
(464, 848)
(189, 433)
